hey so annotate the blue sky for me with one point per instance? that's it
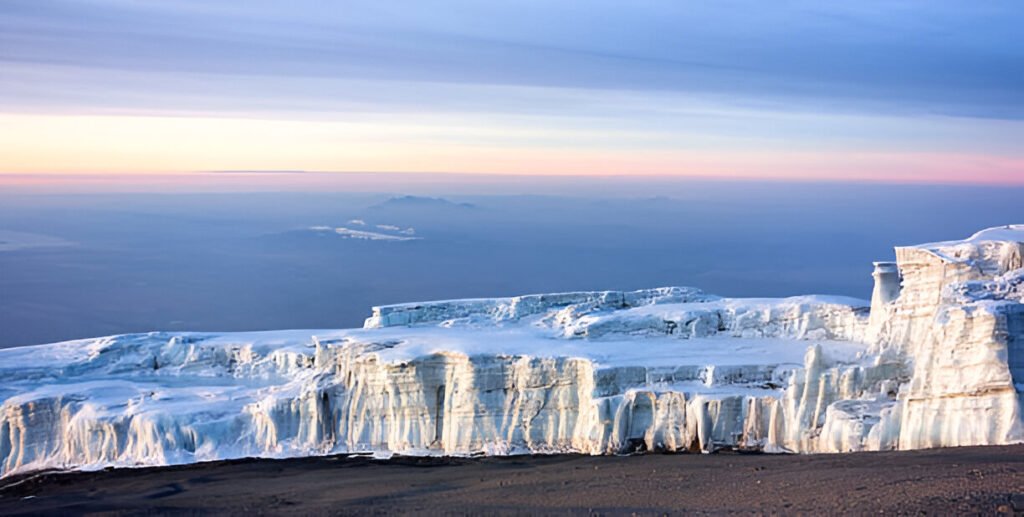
(912, 91)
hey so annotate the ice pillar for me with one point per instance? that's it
(887, 286)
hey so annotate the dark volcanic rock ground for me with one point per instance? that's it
(973, 480)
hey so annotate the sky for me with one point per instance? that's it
(919, 92)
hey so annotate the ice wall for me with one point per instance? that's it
(959, 322)
(938, 362)
(340, 397)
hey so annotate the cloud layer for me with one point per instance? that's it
(912, 90)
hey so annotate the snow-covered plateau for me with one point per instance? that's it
(935, 359)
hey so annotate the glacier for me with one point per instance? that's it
(934, 359)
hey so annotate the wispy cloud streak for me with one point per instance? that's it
(709, 79)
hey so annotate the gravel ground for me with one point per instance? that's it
(968, 480)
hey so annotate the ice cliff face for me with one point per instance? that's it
(938, 361)
(959, 323)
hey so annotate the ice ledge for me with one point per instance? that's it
(513, 308)
(1005, 233)
(1001, 245)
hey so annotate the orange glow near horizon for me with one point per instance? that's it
(32, 146)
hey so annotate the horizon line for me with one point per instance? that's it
(647, 177)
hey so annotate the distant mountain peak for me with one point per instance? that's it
(421, 201)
